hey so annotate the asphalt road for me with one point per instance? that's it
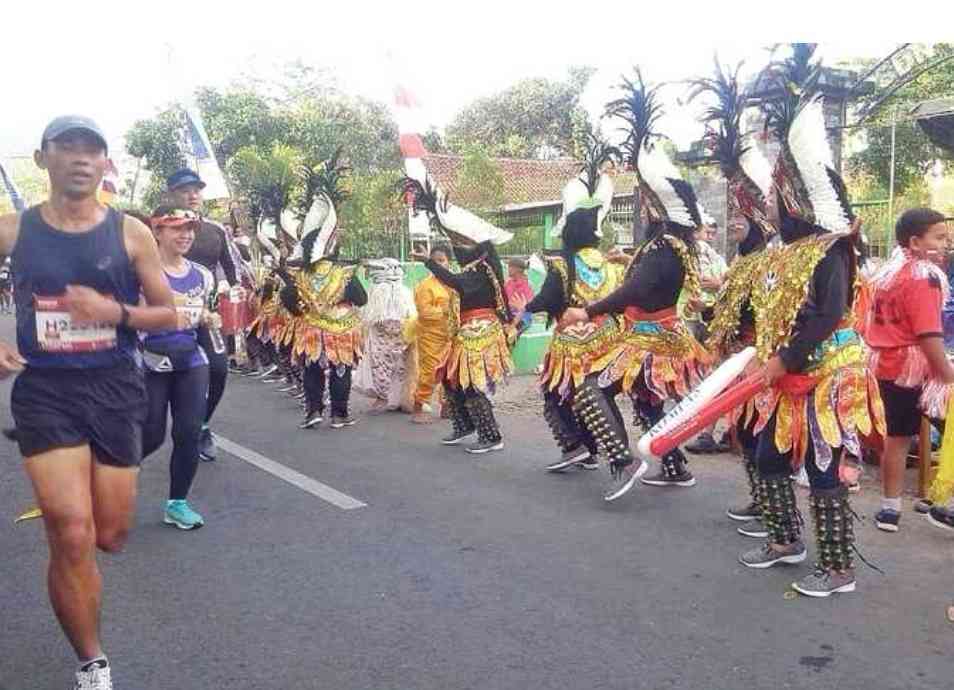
(459, 572)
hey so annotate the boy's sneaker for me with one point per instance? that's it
(942, 517)
(481, 447)
(180, 514)
(94, 676)
(569, 458)
(823, 583)
(887, 520)
(341, 422)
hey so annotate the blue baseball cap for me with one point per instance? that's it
(67, 123)
(183, 177)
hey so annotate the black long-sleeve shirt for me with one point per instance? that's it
(551, 297)
(474, 287)
(828, 300)
(654, 284)
(211, 248)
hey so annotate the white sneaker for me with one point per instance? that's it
(95, 677)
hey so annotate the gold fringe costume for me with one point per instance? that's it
(329, 329)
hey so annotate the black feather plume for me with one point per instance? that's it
(723, 120)
(326, 177)
(791, 83)
(639, 108)
(596, 153)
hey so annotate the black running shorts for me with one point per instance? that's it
(901, 408)
(59, 408)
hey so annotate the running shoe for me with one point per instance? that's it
(206, 445)
(755, 529)
(180, 514)
(590, 463)
(268, 371)
(664, 478)
(94, 676)
(340, 422)
(704, 444)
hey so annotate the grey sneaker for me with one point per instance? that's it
(481, 447)
(590, 463)
(341, 422)
(823, 583)
(754, 529)
(765, 556)
(568, 459)
(622, 480)
(744, 514)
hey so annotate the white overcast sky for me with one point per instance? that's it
(108, 60)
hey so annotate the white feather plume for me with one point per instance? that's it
(604, 192)
(808, 144)
(290, 223)
(471, 226)
(756, 167)
(655, 169)
(574, 192)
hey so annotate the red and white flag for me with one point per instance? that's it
(407, 112)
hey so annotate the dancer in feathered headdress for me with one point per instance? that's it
(578, 275)
(477, 358)
(656, 359)
(325, 298)
(821, 397)
(749, 182)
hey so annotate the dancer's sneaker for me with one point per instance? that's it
(268, 371)
(568, 459)
(341, 422)
(94, 676)
(180, 514)
(766, 556)
(481, 447)
(704, 445)
(745, 513)
(454, 438)
(665, 478)
(823, 583)
(590, 463)
(311, 419)
(754, 529)
(622, 479)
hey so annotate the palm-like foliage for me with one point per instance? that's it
(326, 177)
(266, 181)
(639, 108)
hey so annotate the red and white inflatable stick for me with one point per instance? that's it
(697, 402)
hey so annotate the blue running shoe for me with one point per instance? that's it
(180, 514)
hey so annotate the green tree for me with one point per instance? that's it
(480, 184)
(267, 182)
(914, 153)
(374, 216)
(156, 142)
(534, 118)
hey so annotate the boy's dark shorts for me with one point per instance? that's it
(60, 408)
(901, 408)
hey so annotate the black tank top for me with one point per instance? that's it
(44, 261)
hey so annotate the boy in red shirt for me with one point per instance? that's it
(903, 329)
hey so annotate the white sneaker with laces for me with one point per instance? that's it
(95, 677)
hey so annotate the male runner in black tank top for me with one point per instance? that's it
(78, 412)
(210, 249)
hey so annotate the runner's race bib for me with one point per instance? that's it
(55, 331)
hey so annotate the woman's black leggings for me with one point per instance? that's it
(218, 373)
(183, 393)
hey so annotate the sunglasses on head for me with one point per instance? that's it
(175, 217)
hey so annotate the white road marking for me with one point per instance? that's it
(293, 477)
